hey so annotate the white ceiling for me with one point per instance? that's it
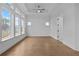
(27, 8)
(47, 6)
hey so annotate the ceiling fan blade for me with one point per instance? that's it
(38, 9)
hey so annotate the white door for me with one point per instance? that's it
(59, 28)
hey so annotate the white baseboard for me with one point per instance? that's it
(65, 43)
(53, 37)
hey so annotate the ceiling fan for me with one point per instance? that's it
(38, 9)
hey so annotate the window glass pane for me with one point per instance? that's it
(6, 25)
(17, 26)
(0, 28)
(17, 11)
(23, 27)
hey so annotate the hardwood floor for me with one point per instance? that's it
(40, 46)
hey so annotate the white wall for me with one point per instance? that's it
(77, 25)
(38, 27)
(68, 12)
(69, 25)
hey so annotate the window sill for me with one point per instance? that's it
(7, 38)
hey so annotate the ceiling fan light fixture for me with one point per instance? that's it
(38, 11)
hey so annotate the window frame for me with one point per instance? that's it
(10, 12)
(22, 27)
(13, 14)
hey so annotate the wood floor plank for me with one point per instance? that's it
(41, 46)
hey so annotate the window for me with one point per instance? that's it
(6, 24)
(11, 24)
(17, 26)
(23, 27)
(0, 28)
(17, 11)
(0, 21)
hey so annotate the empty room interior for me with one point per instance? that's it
(39, 29)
